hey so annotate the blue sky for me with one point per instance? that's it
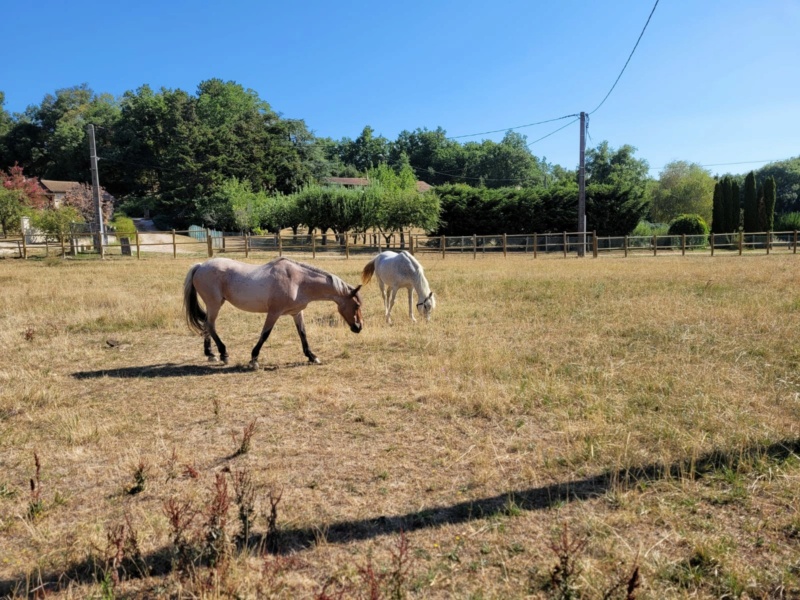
(712, 81)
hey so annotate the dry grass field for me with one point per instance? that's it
(562, 428)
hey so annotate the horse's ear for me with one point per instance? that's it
(355, 291)
(429, 296)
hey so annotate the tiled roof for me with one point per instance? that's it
(58, 187)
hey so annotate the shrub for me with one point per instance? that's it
(647, 229)
(123, 225)
(162, 222)
(788, 222)
(688, 225)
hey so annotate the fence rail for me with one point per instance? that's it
(205, 242)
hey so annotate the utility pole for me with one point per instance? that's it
(99, 235)
(582, 190)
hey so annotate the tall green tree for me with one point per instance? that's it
(750, 219)
(718, 213)
(770, 196)
(682, 188)
(787, 183)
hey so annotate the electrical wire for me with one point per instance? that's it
(629, 58)
(456, 137)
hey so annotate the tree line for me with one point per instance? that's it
(223, 157)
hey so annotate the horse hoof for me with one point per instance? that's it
(224, 360)
(254, 365)
(315, 361)
(212, 359)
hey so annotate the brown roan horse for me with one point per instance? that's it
(281, 287)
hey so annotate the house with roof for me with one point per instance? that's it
(56, 190)
(354, 182)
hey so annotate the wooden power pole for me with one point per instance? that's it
(99, 235)
(582, 190)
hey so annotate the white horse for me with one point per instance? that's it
(395, 271)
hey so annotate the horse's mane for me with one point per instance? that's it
(419, 272)
(334, 280)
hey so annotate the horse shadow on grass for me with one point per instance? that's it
(292, 540)
(179, 370)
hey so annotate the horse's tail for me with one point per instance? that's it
(368, 272)
(195, 315)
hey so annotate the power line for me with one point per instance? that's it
(552, 132)
(455, 137)
(725, 164)
(629, 58)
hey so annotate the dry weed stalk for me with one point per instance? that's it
(216, 550)
(271, 536)
(247, 436)
(180, 516)
(36, 504)
(245, 494)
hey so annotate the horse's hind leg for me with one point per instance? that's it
(300, 323)
(391, 295)
(211, 333)
(269, 323)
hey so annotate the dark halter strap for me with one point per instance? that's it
(424, 301)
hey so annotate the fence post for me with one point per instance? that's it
(24, 246)
(474, 246)
(683, 244)
(313, 246)
(711, 237)
(137, 245)
(174, 246)
(625, 246)
(795, 242)
(741, 239)
(246, 245)
(346, 246)
(280, 244)
(535, 243)
(209, 243)
(769, 240)
(594, 244)
(504, 245)
(444, 244)
(63, 249)
(19, 248)
(411, 243)
(565, 244)
(655, 244)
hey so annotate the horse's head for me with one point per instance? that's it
(350, 309)
(426, 306)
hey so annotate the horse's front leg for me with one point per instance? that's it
(411, 305)
(269, 323)
(300, 323)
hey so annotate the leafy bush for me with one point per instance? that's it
(136, 207)
(688, 225)
(162, 222)
(648, 229)
(788, 222)
(123, 225)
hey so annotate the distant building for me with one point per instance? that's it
(56, 190)
(363, 181)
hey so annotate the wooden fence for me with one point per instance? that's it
(207, 243)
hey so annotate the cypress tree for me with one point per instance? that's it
(750, 203)
(770, 196)
(734, 207)
(717, 211)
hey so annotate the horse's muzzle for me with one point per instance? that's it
(355, 327)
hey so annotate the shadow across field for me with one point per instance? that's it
(292, 540)
(179, 370)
